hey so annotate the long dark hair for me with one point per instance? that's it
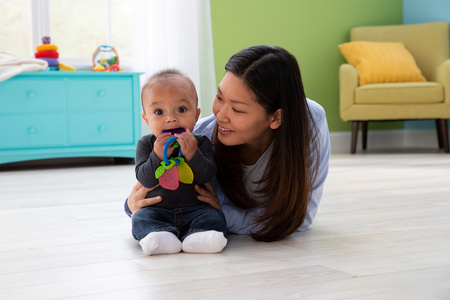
(273, 75)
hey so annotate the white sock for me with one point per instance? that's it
(204, 242)
(160, 242)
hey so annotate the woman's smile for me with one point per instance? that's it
(224, 130)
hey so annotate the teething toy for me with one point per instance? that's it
(173, 170)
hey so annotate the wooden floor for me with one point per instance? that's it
(382, 232)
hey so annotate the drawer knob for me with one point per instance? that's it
(31, 94)
(101, 93)
(32, 130)
(102, 128)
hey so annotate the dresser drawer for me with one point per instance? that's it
(100, 128)
(112, 94)
(32, 131)
(31, 96)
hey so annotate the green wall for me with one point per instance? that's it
(309, 29)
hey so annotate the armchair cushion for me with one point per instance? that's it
(400, 93)
(381, 62)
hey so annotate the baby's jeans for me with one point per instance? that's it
(181, 221)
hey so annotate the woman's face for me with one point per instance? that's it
(241, 120)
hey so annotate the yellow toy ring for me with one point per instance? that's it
(46, 47)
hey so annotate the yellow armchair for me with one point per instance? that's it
(428, 43)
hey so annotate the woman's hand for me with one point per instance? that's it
(137, 199)
(208, 195)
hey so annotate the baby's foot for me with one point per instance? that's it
(204, 242)
(160, 242)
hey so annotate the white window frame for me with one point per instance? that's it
(40, 22)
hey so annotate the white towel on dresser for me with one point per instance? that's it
(11, 65)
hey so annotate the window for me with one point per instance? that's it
(15, 26)
(77, 27)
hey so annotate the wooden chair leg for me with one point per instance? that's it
(445, 138)
(442, 129)
(355, 127)
(439, 133)
(364, 131)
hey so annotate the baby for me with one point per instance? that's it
(180, 222)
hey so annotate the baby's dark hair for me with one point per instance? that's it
(165, 74)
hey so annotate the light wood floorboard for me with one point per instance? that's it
(382, 232)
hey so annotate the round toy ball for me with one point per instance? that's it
(105, 56)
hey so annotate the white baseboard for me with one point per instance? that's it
(385, 139)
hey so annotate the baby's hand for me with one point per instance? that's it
(188, 144)
(158, 147)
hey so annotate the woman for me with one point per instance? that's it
(271, 147)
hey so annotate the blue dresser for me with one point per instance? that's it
(53, 114)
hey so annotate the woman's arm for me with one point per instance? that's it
(239, 221)
(136, 200)
(324, 143)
